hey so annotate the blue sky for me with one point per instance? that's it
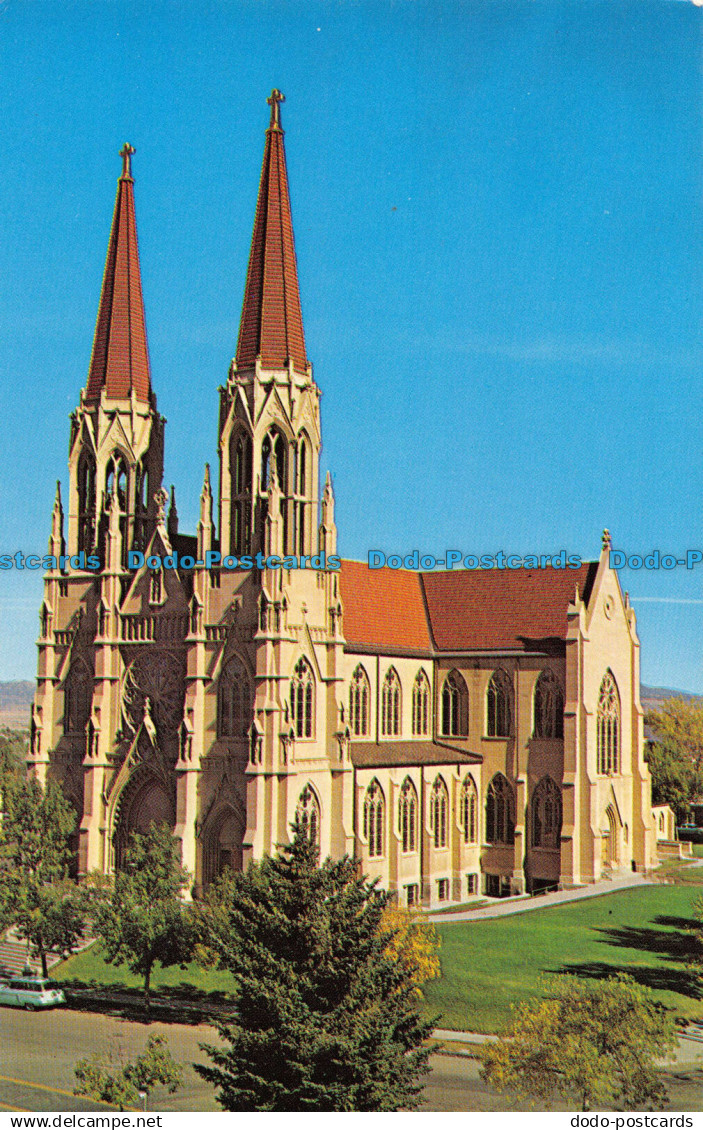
(498, 208)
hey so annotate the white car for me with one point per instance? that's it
(30, 993)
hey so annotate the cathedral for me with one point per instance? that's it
(462, 733)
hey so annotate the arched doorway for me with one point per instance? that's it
(609, 841)
(223, 844)
(144, 801)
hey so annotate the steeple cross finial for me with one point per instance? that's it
(126, 153)
(274, 102)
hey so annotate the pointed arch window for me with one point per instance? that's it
(86, 502)
(117, 479)
(407, 815)
(548, 707)
(608, 740)
(455, 706)
(468, 810)
(302, 699)
(374, 819)
(240, 462)
(546, 814)
(421, 705)
(301, 482)
(359, 697)
(390, 704)
(307, 814)
(439, 813)
(78, 698)
(500, 811)
(499, 705)
(235, 701)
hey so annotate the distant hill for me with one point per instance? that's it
(652, 697)
(15, 703)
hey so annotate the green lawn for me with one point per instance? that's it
(89, 967)
(486, 965)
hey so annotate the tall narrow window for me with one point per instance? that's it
(86, 503)
(455, 702)
(390, 704)
(235, 701)
(240, 462)
(359, 696)
(78, 697)
(302, 699)
(548, 707)
(374, 815)
(439, 813)
(308, 815)
(608, 726)
(546, 814)
(468, 810)
(500, 811)
(421, 705)
(301, 490)
(407, 815)
(498, 706)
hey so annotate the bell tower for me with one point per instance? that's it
(269, 433)
(116, 444)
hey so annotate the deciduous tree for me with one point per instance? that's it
(102, 1079)
(413, 942)
(144, 919)
(325, 1019)
(595, 1044)
(35, 895)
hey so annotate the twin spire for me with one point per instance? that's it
(272, 324)
(119, 365)
(271, 327)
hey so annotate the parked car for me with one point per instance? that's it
(690, 833)
(30, 993)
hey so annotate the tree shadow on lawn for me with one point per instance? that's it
(674, 945)
(173, 1004)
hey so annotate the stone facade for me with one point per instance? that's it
(460, 733)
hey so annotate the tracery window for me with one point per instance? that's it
(407, 815)
(302, 699)
(439, 813)
(421, 705)
(500, 811)
(608, 726)
(548, 707)
(390, 704)
(359, 695)
(307, 814)
(374, 815)
(455, 706)
(546, 814)
(235, 700)
(498, 705)
(468, 810)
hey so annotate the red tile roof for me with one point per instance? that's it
(272, 325)
(502, 608)
(483, 610)
(120, 360)
(383, 609)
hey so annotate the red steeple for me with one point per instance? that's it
(272, 324)
(120, 361)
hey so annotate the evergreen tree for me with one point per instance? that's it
(325, 1019)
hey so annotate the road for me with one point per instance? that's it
(39, 1050)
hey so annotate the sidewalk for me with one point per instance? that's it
(520, 903)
